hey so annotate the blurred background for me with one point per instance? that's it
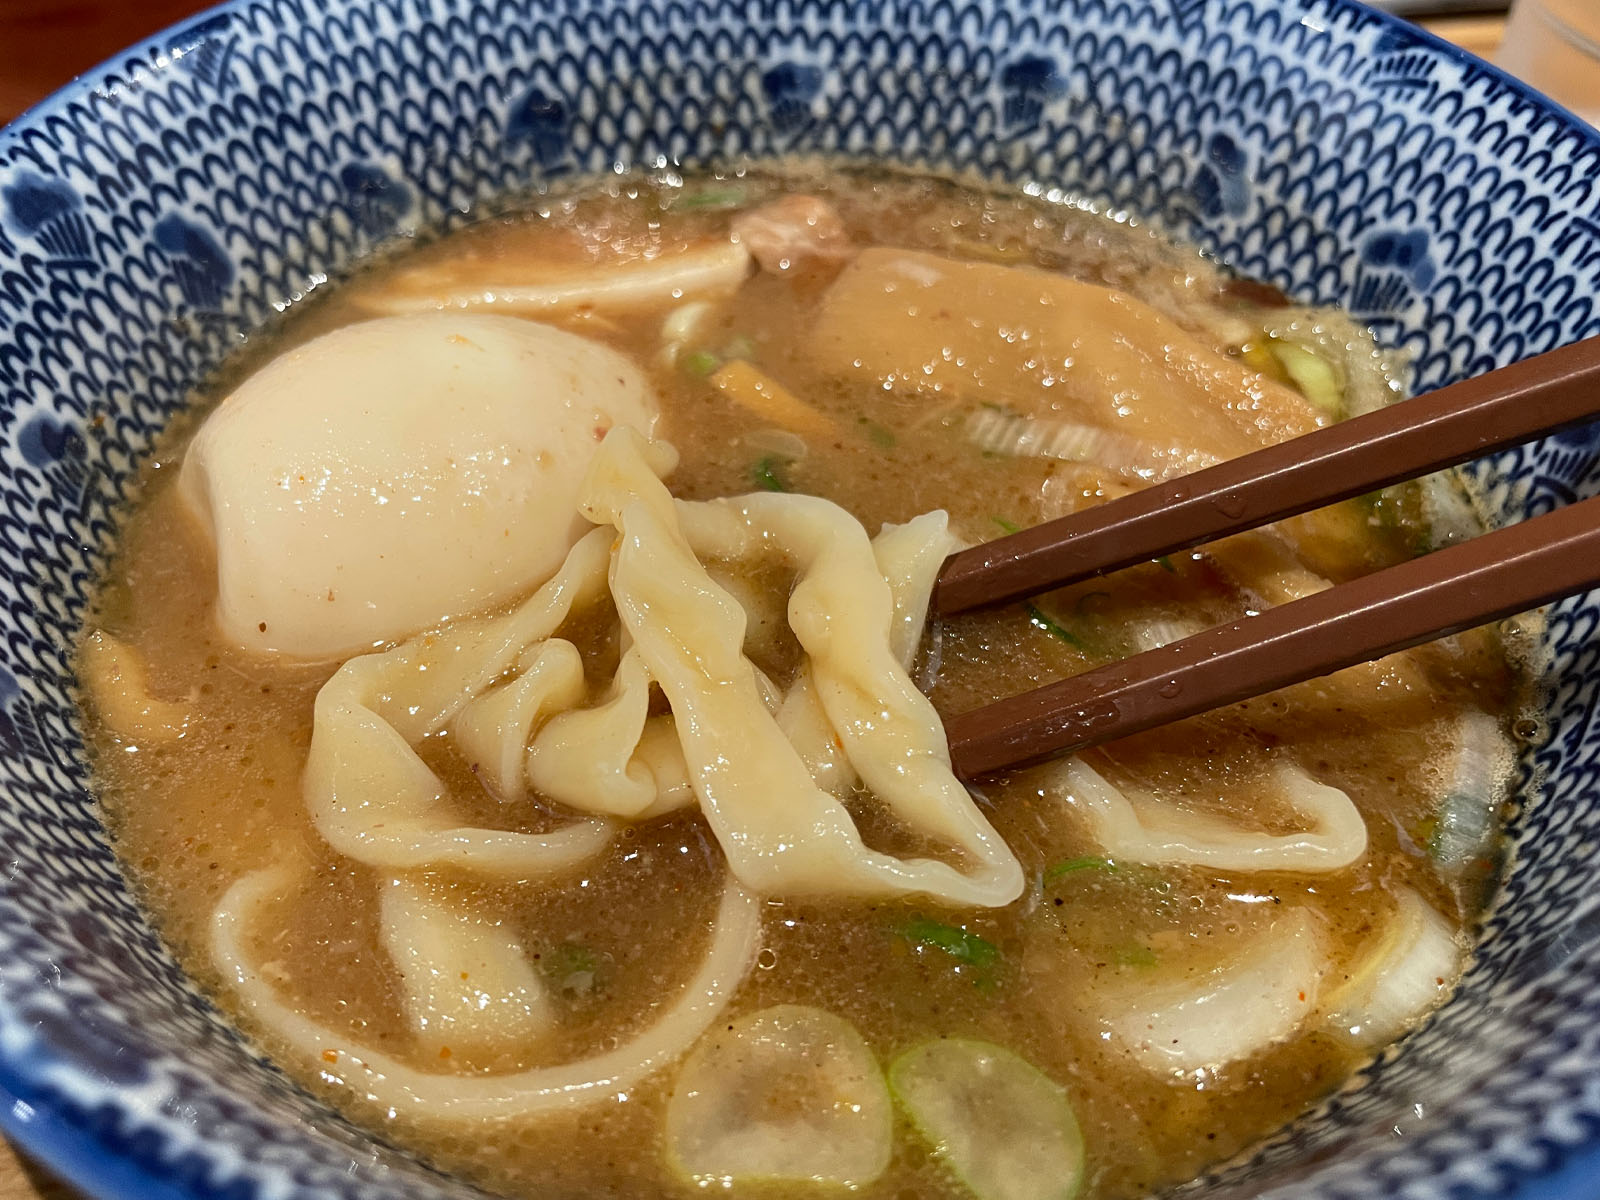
(44, 43)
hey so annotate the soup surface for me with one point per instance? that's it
(1217, 921)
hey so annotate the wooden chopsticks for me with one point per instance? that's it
(1490, 577)
(1483, 580)
(1455, 424)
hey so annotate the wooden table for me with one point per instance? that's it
(43, 43)
(1481, 35)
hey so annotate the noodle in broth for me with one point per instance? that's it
(578, 814)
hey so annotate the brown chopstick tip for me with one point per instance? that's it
(1465, 421)
(1473, 583)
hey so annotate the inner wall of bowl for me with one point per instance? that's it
(185, 197)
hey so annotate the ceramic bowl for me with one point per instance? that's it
(181, 197)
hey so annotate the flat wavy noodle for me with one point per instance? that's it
(589, 752)
(888, 730)
(805, 723)
(373, 798)
(548, 289)
(492, 730)
(470, 991)
(1140, 828)
(119, 686)
(383, 1080)
(781, 833)
(661, 754)
(613, 758)
(908, 557)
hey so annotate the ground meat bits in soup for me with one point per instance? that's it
(513, 698)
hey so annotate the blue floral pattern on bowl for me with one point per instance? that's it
(189, 192)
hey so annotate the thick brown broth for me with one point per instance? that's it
(191, 817)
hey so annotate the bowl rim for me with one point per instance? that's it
(70, 1149)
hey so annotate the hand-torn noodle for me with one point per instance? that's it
(494, 728)
(120, 688)
(374, 799)
(386, 1081)
(470, 990)
(1140, 829)
(783, 834)
(909, 557)
(550, 289)
(370, 794)
(587, 756)
(511, 692)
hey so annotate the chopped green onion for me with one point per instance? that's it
(1427, 834)
(569, 957)
(880, 436)
(1135, 956)
(1136, 874)
(765, 475)
(713, 198)
(789, 1095)
(1165, 563)
(572, 967)
(1089, 862)
(1259, 357)
(1312, 375)
(1006, 526)
(958, 943)
(1004, 1129)
(1039, 620)
(700, 362)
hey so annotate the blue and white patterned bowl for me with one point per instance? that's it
(187, 193)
